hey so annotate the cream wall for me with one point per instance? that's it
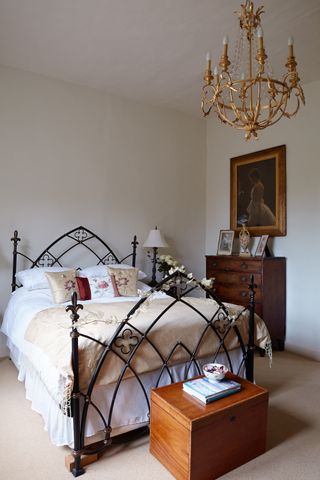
(71, 155)
(300, 246)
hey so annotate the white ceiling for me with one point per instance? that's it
(148, 50)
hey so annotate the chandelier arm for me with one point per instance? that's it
(271, 120)
(225, 76)
(224, 118)
(273, 115)
(298, 92)
(291, 114)
(233, 105)
(205, 113)
(279, 104)
(249, 116)
(301, 94)
(221, 110)
(262, 126)
(241, 115)
(249, 112)
(231, 89)
(206, 100)
(287, 94)
(257, 109)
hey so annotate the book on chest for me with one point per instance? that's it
(207, 390)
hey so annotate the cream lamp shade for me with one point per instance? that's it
(155, 240)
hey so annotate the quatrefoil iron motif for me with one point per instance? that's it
(222, 323)
(126, 342)
(47, 260)
(108, 259)
(80, 235)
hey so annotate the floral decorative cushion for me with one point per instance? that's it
(62, 285)
(125, 280)
(100, 286)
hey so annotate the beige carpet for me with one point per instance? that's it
(293, 450)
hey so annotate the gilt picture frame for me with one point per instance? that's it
(258, 192)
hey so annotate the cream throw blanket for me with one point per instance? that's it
(49, 330)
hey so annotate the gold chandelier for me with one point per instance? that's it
(245, 95)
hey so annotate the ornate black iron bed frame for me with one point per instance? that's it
(79, 236)
(127, 339)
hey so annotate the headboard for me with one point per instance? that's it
(62, 249)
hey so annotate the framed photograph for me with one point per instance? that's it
(258, 192)
(225, 242)
(254, 244)
(261, 246)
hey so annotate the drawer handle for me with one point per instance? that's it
(215, 264)
(244, 265)
(243, 294)
(232, 418)
(243, 278)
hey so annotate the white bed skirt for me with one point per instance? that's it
(131, 408)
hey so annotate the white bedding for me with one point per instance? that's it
(24, 304)
(22, 307)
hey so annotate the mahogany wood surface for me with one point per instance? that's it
(232, 275)
(195, 441)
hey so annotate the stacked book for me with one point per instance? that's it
(209, 390)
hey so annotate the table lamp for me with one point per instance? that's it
(154, 241)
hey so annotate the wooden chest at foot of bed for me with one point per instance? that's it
(195, 441)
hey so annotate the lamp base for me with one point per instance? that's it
(153, 281)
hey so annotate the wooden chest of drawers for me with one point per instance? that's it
(195, 441)
(232, 276)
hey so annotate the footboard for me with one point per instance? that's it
(141, 353)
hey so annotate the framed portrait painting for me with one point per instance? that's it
(258, 192)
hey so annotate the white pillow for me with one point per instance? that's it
(100, 286)
(142, 287)
(35, 278)
(101, 270)
(95, 271)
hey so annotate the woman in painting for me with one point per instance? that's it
(259, 214)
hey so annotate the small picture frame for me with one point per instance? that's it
(261, 246)
(225, 242)
(254, 245)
